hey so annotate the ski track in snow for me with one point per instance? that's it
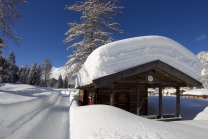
(49, 122)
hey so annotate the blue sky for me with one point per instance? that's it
(44, 23)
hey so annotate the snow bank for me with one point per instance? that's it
(14, 93)
(202, 115)
(73, 99)
(128, 53)
(19, 103)
(197, 92)
(102, 121)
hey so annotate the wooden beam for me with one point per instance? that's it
(165, 85)
(179, 76)
(160, 101)
(177, 101)
(112, 95)
(138, 99)
(96, 95)
(124, 74)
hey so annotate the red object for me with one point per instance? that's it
(80, 97)
(89, 101)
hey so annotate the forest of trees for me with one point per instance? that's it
(33, 75)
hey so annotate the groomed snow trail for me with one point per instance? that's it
(52, 122)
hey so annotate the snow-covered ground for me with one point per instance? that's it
(30, 112)
(102, 121)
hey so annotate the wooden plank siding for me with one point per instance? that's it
(124, 99)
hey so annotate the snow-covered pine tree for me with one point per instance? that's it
(96, 28)
(65, 85)
(38, 76)
(203, 57)
(8, 13)
(60, 82)
(32, 75)
(12, 70)
(4, 66)
(46, 67)
(26, 74)
(20, 74)
(53, 82)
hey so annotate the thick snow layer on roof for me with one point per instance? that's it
(197, 92)
(128, 53)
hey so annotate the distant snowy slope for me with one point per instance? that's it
(55, 72)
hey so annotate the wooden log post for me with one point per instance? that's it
(177, 101)
(138, 99)
(112, 95)
(96, 95)
(160, 101)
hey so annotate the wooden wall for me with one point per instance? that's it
(124, 97)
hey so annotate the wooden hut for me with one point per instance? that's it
(128, 89)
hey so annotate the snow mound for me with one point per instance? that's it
(197, 92)
(15, 93)
(128, 53)
(102, 121)
(20, 102)
(202, 115)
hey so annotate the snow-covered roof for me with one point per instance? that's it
(128, 53)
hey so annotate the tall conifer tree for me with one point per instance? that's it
(95, 29)
(32, 75)
(46, 67)
(60, 82)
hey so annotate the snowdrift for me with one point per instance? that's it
(103, 121)
(19, 103)
(128, 53)
(202, 115)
